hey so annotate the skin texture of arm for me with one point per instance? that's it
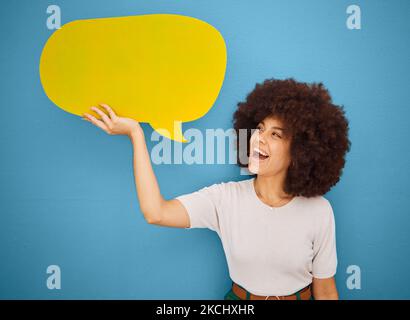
(324, 289)
(155, 208)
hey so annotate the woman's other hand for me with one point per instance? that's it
(111, 123)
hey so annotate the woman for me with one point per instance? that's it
(277, 229)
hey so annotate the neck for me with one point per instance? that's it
(270, 188)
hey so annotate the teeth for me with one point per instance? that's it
(261, 152)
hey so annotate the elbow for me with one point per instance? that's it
(152, 211)
(152, 220)
(151, 216)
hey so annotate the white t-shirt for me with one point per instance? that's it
(269, 251)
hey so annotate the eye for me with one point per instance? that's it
(274, 133)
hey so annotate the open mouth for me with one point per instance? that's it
(259, 154)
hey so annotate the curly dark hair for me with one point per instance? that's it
(318, 130)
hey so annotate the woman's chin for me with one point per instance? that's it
(253, 168)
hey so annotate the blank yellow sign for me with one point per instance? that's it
(161, 68)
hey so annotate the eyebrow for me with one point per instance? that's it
(273, 126)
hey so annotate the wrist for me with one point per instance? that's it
(136, 133)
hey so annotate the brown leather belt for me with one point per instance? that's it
(243, 294)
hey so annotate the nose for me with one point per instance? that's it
(258, 138)
(261, 136)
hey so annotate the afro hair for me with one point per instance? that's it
(318, 131)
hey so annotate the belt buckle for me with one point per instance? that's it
(248, 294)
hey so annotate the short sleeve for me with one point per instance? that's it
(324, 245)
(203, 207)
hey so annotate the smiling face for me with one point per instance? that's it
(269, 149)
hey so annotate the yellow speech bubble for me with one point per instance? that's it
(160, 68)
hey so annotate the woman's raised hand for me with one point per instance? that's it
(111, 123)
(154, 207)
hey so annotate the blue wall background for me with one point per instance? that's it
(67, 191)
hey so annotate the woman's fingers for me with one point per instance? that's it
(109, 110)
(104, 117)
(96, 122)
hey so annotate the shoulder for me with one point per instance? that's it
(233, 186)
(319, 207)
(318, 202)
(222, 194)
(228, 189)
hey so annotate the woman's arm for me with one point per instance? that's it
(324, 289)
(155, 208)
